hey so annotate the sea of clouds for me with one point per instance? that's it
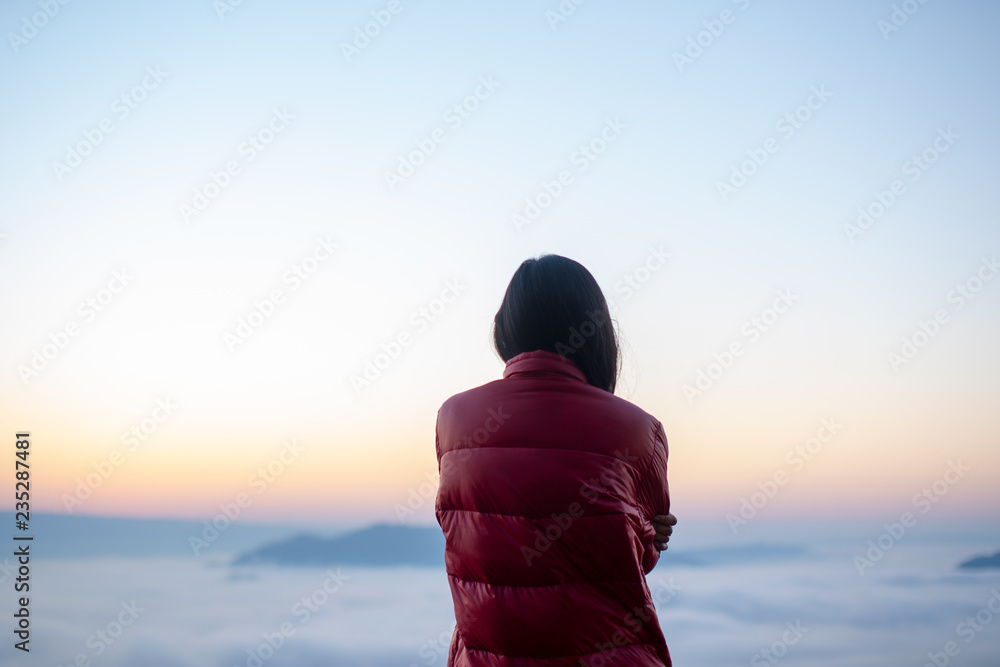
(813, 608)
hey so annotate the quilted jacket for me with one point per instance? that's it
(547, 490)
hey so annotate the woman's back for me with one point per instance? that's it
(547, 491)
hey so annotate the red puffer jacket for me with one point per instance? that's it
(547, 490)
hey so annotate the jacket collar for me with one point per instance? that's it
(542, 361)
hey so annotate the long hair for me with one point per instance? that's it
(553, 303)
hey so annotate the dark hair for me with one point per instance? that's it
(553, 303)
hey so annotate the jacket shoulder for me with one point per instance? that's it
(470, 396)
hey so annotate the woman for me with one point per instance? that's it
(549, 487)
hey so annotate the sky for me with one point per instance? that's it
(218, 215)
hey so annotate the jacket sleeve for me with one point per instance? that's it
(437, 441)
(437, 453)
(654, 496)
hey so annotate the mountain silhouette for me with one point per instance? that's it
(380, 545)
(982, 562)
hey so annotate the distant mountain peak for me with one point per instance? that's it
(982, 563)
(378, 545)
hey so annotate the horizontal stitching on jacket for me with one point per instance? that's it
(522, 516)
(588, 582)
(554, 449)
(560, 657)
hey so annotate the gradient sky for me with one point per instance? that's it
(655, 188)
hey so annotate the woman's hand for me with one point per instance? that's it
(664, 525)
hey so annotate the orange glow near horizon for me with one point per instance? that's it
(847, 476)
